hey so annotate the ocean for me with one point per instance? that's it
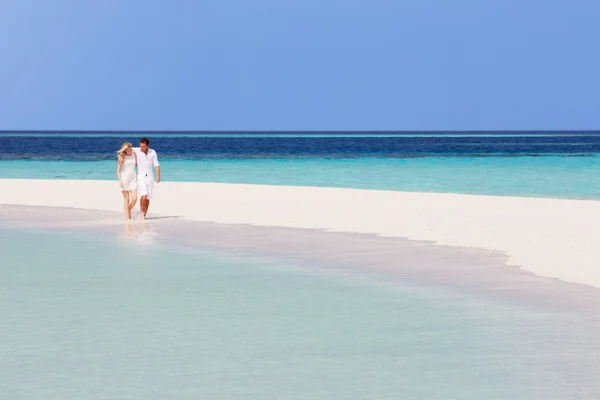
(94, 317)
(95, 308)
(556, 165)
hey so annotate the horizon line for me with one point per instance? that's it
(217, 132)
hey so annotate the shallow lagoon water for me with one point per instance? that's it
(550, 176)
(135, 315)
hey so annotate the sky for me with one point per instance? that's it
(299, 65)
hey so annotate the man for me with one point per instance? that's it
(147, 159)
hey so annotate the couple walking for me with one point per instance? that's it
(131, 182)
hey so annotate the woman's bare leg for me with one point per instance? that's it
(126, 204)
(132, 200)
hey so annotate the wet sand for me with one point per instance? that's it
(383, 259)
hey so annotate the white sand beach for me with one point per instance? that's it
(549, 237)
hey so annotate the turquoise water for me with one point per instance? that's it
(96, 319)
(549, 176)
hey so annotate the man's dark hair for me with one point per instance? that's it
(145, 141)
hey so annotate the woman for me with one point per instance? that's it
(127, 177)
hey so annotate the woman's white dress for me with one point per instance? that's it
(128, 175)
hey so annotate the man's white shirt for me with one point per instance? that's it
(146, 162)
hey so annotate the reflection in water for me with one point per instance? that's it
(128, 231)
(147, 233)
(141, 231)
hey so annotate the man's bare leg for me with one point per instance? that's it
(143, 207)
(144, 204)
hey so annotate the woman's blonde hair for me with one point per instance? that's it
(126, 146)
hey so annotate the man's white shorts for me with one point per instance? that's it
(145, 184)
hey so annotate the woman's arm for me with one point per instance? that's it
(119, 163)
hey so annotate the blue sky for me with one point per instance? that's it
(300, 64)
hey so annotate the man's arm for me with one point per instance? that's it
(157, 167)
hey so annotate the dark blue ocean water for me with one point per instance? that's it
(93, 147)
(551, 165)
